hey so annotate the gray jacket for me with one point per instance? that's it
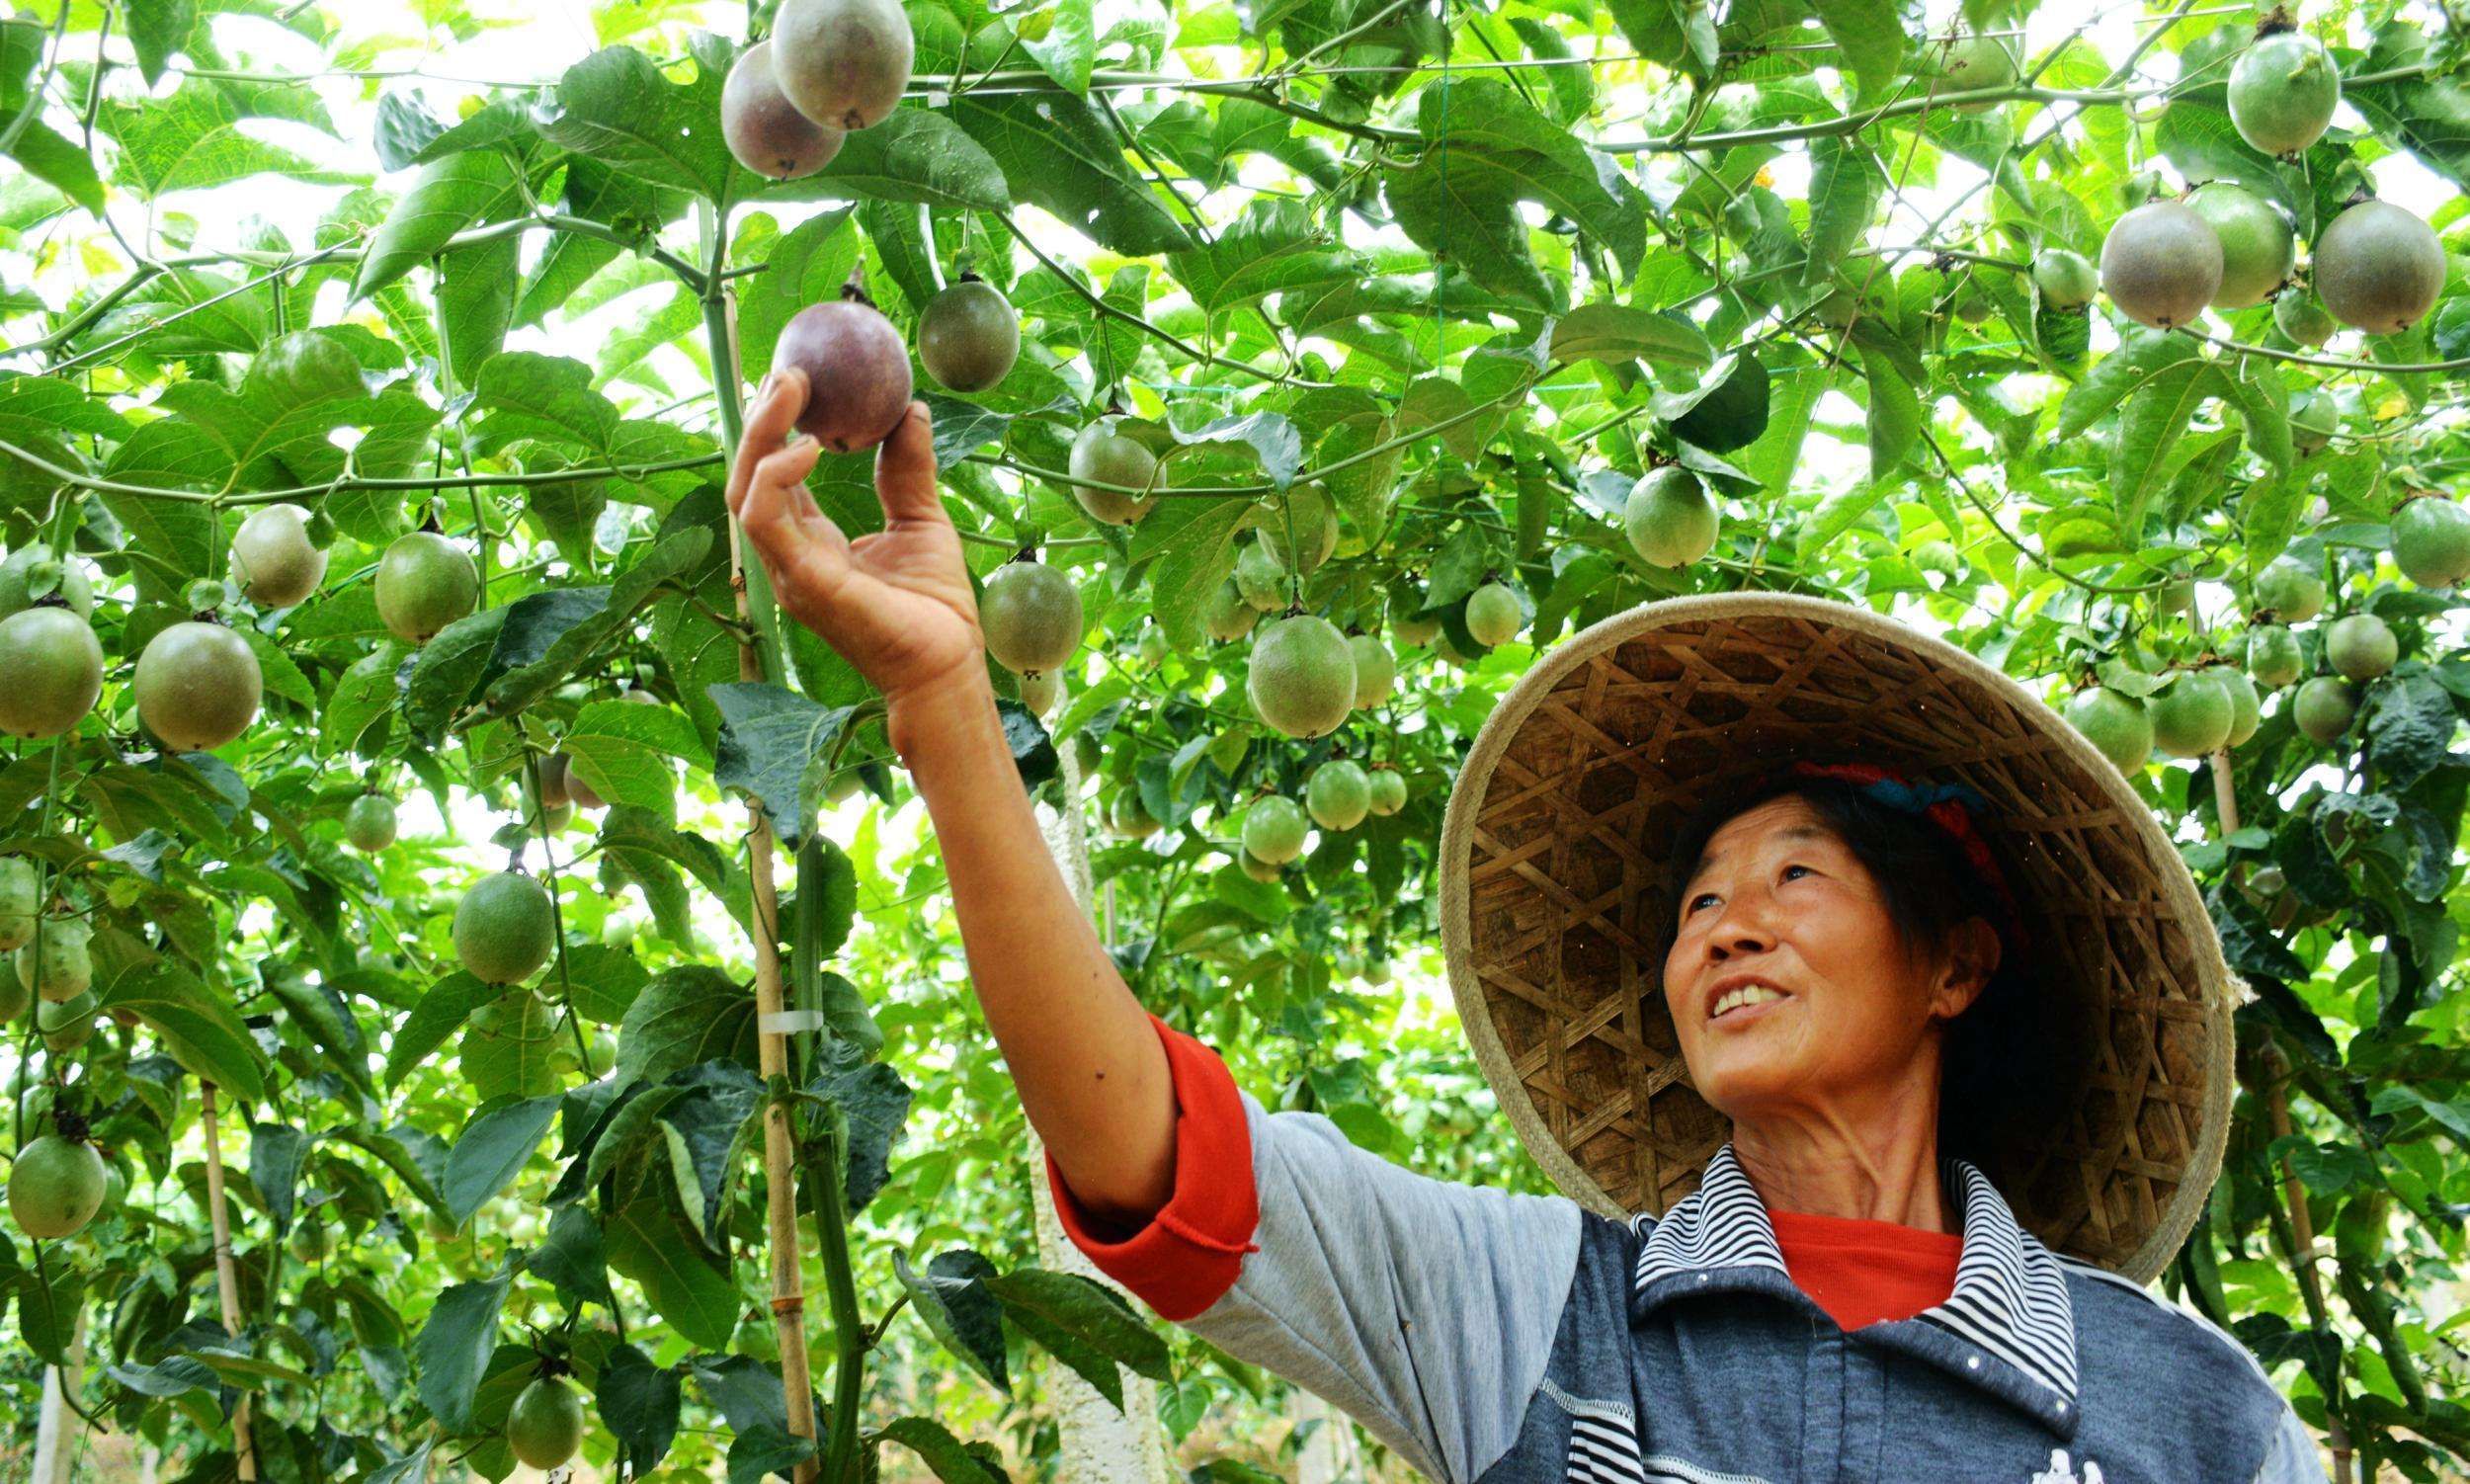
(1519, 1339)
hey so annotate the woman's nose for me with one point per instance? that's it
(1743, 926)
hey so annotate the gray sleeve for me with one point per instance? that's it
(1424, 1309)
(2292, 1460)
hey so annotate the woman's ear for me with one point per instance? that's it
(1972, 956)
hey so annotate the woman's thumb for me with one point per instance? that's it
(904, 469)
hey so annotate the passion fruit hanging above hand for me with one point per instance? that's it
(1106, 454)
(843, 62)
(970, 336)
(857, 371)
(766, 131)
(1032, 616)
(2259, 249)
(2432, 542)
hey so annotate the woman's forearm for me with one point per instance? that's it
(1092, 1075)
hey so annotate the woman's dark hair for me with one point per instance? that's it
(2014, 1060)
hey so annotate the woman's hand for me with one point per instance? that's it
(895, 603)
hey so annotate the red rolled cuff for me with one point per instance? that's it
(1190, 1253)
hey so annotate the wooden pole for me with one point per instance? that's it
(789, 1279)
(225, 1283)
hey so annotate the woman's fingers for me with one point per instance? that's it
(778, 402)
(904, 470)
(796, 541)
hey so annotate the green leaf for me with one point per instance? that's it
(953, 1299)
(1845, 183)
(774, 744)
(1087, 1310)
(156, 29)
(950, 1460)
(192, 140)
(625, 751)
(453, 1348)
(684, 1016)
(806, 266)
(510, 1047)
(1064, 42)
(1896, 416)
(686, 1284)
(617, 108)
(1615, 333)
(198, 1029)
(476, 301)
(2155, 418)
(1275, 246)
(912, 156)
(639, 1404)
(575, 1261)
(275, 1152)
(2140, 357)
(454, 194)
(491, 1151)
(874, 1103)
(1870, 37)
(1061, 155)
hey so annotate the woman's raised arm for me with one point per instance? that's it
(897, 605)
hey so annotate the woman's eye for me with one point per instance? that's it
(1704, 896)
(1789, 870)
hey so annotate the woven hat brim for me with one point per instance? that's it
(1552, 878)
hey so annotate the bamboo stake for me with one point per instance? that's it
(788, 1296)
(225, 1283)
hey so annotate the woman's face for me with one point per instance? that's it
(1787, 933)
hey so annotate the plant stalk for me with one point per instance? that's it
(849, 1331)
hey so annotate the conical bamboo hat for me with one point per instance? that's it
(1554, 882)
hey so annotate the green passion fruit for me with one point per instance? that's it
(273, 559)
(857, 370)
(2118, 726)
(1041, 691)
(1260, 577)
(1032, 616)
(2282, 92)
(2247, 709)
(199, 685)
(19, 889)
(970, 336)
(1338, 794)
(2259, 249)
(504, 929)
(545, 1427)
(1670, 518)
(1273, 830)
(2290, 590)
(1227, 615)
(1969, 63)
(67, 579)
(1494, 616)
(764, 131)
(55, 1186)
(2323, 710)
(368, 823)
(843, 62)
(1307, 509)
(2067, 279)
(2302, 316)
(1104, 454)
(1302, 680)
(2314, 418)
(1388, 790)
(68, 963)
(1258, 868)
(2361, 646)
(2160, 264)
(1128, 818)
(1416, 630)
(2432, 542)
(425, 582)
(2193, 716)
(2378, 267)
(50, 671)
(2272, 655)
(1376, 670)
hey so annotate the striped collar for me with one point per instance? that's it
(2009, 1326)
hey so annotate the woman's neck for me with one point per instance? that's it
(1879, 1167)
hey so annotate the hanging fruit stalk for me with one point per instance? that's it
(759, 659)
(226, 1284)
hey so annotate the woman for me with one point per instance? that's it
(1841, 1298)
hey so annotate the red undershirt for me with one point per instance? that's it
(1860, 1272)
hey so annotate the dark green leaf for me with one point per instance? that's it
(492, 1149)
(454, 1345)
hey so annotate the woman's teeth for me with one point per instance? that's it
(1748, 994)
